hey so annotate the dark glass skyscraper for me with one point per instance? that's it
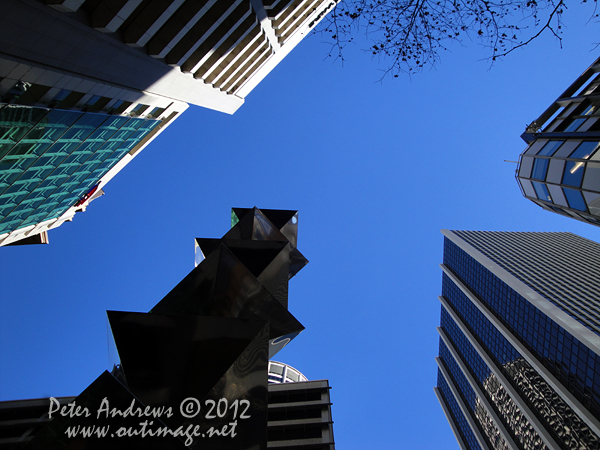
(519, 364)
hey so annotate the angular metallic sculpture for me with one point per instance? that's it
(197, 363)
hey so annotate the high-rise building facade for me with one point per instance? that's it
(86, 84)
(560, 168)
(204, 52)
(519, 358)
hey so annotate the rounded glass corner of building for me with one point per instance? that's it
(284, 373)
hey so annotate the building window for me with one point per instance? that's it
(555, 171)
(525, 167)
(593, 202)
(591, 180)
(576, 123)
(139, 109)
(542, 191)
(573, 173)
(540, 167)
(557, 195)
(550, 148)
(585, 150)
(575, 199)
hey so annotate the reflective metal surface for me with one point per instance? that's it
(104, 394)
(207, 342)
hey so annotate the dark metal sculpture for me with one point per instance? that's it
(201, 354)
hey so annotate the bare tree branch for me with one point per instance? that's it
(410, 34)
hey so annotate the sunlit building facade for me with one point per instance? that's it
(519, 364)
(560, 168)
(128, 68)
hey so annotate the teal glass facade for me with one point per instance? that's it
(50, 158)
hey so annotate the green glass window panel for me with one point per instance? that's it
(130, 144)
(64, 148)
(8, 226)
(50, 204)
(60, 159)
(63, 117)
(14, 189)
(16, 121)
(8, 177)
(53, 206)
(27, 148)
(76, 158)
(21, 212)
(20, 196)
(38, 218)
(7, 207)
(84, 127)
(102, 135)
(35, 219)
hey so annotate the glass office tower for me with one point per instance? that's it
(560, 168)
(519, 364)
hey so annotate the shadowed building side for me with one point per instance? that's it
(86, 84)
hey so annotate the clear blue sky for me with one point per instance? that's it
(375, 169)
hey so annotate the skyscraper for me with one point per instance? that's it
(519, 363)
(560, 168)
(86, 84)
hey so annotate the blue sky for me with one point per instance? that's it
(375, 169)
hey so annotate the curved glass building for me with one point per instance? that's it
(560, 168)
(283, 373)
